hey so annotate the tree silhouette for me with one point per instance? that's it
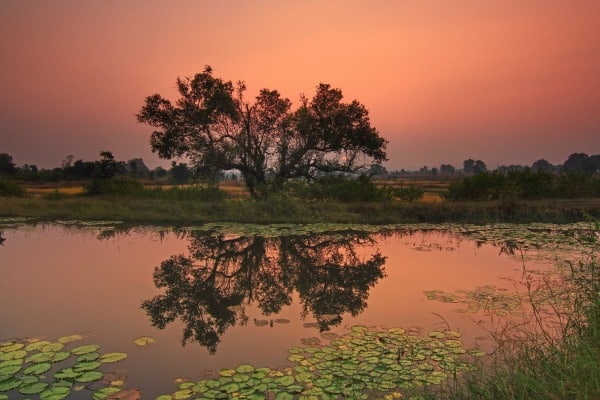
(217, 129)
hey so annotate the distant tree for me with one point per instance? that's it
(137, 168)
(582, 164)
(159, 172)
(376, 169)
(471, 166)
(447, 169)
(480, 167)
(505, 169)
(68, 161)
(180, 173)
(7, 166)
(107, 167)
(217, 129)
(542, 165)
(80, 170)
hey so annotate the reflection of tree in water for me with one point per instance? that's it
(2, 239)
(329, 275)
(206, 289)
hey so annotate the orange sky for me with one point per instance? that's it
(505, 81)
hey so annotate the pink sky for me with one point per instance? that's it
(505, 81)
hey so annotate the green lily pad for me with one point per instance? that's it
(88, 348)
(285, 380)
(66, 373)
(69, 339)
(36, 345)
(88, 357)
(9, 384)
(10, 347)
(284, 396)
(53, 347)
(103, 393)
(55, 393)
(60, 356)
(89, 376)
(183, 394)
(231, 387)
(40, 357)
(13, 355)
(143, 340)
(86, 366)
(244, 368)
(227, 372)
(37, 369)
(112, 357)
(33, 388)
(10, 369)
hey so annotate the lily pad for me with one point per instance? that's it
(112, 357)
(88, 348)
(37, 369)
(33, 388)
(144, 340)
(88, 357)
(89, 376)
(55, 393)
(69, 339)
(9, 384)
(103, 393)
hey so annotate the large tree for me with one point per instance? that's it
(213, 125)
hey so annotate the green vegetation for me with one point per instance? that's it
(9, 188)
(53, 371)
(524, 184)
(556, 357)
(366, 363)
(164, 209)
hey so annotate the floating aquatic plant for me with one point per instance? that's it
(143, 340)
(50, 371)
(365, 363)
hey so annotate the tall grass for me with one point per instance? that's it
(558, 357)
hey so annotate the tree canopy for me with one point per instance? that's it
(213, 125)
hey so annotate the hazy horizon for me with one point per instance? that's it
(504, 82)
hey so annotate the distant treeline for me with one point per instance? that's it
(578, 163)
(105, 167)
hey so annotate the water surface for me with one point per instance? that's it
(217, 300)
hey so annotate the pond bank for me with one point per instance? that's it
(285, 210)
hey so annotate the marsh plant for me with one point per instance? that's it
(555, 354)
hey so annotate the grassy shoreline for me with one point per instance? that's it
(136, 210)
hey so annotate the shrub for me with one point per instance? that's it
(343, 189)
(114, 186)
(9, 188)
(409, 194)
(524, 184)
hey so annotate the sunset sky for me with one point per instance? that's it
(505, 81)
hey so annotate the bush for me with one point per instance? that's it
(409, 194)
(524, 184)
(114, 186)
(343, 189)
(9, 188)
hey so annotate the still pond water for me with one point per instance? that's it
(215, 299)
